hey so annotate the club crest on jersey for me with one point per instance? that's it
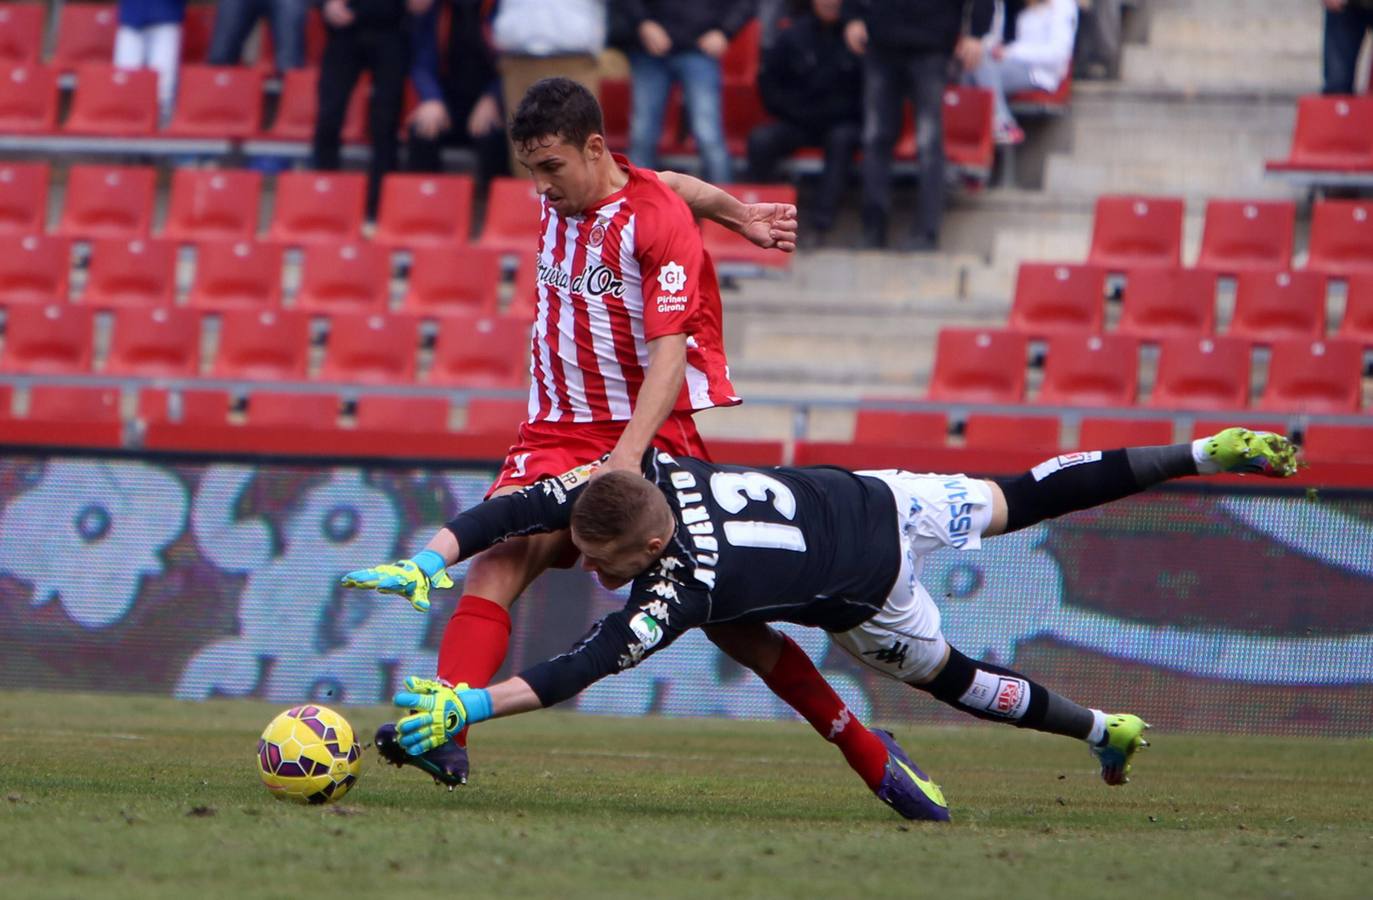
(597, 235)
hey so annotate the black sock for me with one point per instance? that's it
(998, 694)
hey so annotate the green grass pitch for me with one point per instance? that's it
(114, 796)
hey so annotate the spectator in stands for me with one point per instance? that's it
(907, 47)
(149, 37)
(773, 16)
(462, 106)
(234, 21)
(1037, 60)
(372, 35)
(1346, 24)
(674, 41)
(812, 83)
(1097, 52)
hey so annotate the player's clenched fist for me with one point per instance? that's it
(412, 578)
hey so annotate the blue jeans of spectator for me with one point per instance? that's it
(1344, 34)
(699, 76)
(1003, 77)
(888, 79)
(234, 21)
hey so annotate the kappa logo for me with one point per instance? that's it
(657, 609)
(839, 724)
(896, 654)
(669, 564)
(664, 589)
(672, 277)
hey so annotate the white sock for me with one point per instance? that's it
(1097, 736)
(1205, 464)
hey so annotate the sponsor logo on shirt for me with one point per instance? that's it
(960, 512)
(672, 279)
(646, 629)
(596, 280)
(1066, 461)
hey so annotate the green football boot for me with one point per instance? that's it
(1124, 736)
(1244, 452)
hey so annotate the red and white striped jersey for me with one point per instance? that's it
(624, 272)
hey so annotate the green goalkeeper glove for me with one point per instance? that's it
(410, 577)
(437, 712)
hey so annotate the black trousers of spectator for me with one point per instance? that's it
(769, 144)
(888, 79)
(385, 52)
(491, 150)
(1344, 34)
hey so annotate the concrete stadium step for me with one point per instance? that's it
(1194, 180)
(1222, 68)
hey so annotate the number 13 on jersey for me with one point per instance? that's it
(733, 491)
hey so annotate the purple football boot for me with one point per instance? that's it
(446, 764)
(905, 788)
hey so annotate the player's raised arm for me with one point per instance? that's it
(769, 225)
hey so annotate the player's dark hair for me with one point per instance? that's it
(615, 506)
(555, 107)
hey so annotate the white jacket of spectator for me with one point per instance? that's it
(550, 27)
(1044, 35)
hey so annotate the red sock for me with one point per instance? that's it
(796, 680)
(474, 644)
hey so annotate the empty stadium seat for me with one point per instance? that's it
(1328, 443)
(64, 403)
(197, 30)
(85, 34)
(890, 426)
(316, 207)
(1052, 298)
(21, 33)
(196, 406)
(979, 366)
(155, 343)
(141, 272)
(462, 279)
(513, 211)
(283, 409)
(1332, 134)
(1162, 302)
(1132, 231)
(28, 99)
(524, 299)
(347, 277)
(1357, 324)
(52, 339)
(236, 275)
(1247, 235)
(1273, 306)
(217, 102)
(739, 65)
(1107, 433)
(213, 204)
(402, 414)
(726, 246)
(1091, 370)
(1208, 426)
(110, 102)
(493, 415)
(615, 100)
(33, 268)
(425, 211)
(371, 349)
(1202, 373)
(108, 202)
(263, 345)
(23, 197)
(987, 431)
(1321, 377)
(742, 111)
(1341, 237)
(481, 352)
(968, 141)
(298, 107)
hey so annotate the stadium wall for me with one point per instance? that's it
(1200, 607)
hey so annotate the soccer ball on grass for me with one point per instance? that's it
(308, 754)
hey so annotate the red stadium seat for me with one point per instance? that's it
(1324, 443)
(1319, 377)
(237, 275)
(217, 102)
(968, 140)
(1131, 231)
(313, 207)
(985, 431)
(1332, 134)
(1202, 373)
(742, 110)
(23, 197)
(1341, 237)
(282, 409)
(615, 99)
(725, 246)
(197, 30)
(462, 279)
(979, 366)
(108, 202)
(1164, 302)
(299, 106)
(1108, 434)
(85, 34)
(481, 352)
(425, 211)
(371, 349)
(28, 99)
(21, 33)
(155, 343)
(263, 345)
(739, 65)
(910, 428)
(184, 407)
(213, 204)
(1051, 103)
(490, 415)
(1247, 236)
(402, 414)
(33, 268)
(1357, 324)
(55, 339)
(131, 273)
(1091, 370)
(346, 277)
(61, 403)
(513, 212)
(110, 102)
(1053, 298)
(1272, 306)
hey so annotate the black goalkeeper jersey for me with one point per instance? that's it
(815, 546)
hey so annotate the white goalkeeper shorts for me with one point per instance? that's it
(903, 641)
